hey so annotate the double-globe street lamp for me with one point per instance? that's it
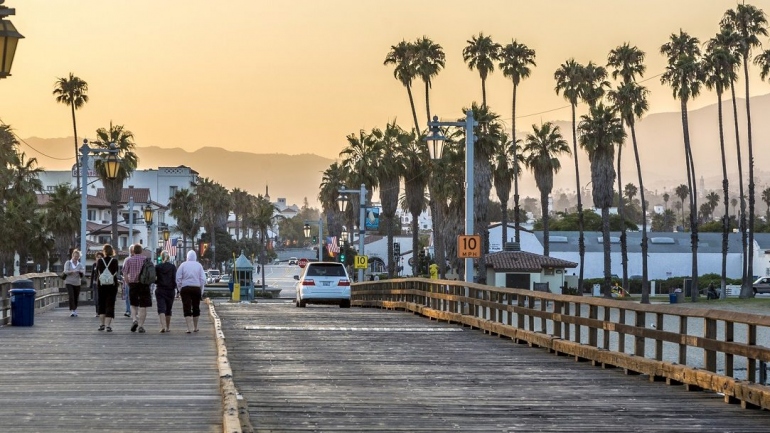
(111, 167)
(342, 202)
(435, 147)
(9, 39)
(306, 231)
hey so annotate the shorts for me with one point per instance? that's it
(139, 295)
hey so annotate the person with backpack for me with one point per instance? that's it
(94, 283)
(74, 270)
(138, 291)
(191, 280)
(165, 290)
(107, 282)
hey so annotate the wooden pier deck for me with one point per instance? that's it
(62, 375)
(368, 370)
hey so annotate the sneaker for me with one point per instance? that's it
(101, 328)
(127, 314)
(162, 330)
(141, 330)
(109, 329)
(75, 313)
(72, 314)
(134, 326)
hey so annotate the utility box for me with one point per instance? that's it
(244, 275)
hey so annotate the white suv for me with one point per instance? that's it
(293, 261)
(323, 283)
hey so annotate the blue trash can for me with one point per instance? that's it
(22, 303)
(672, 298)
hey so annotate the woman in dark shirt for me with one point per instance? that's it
(107, 292)
(165, 290)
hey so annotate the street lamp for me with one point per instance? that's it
(344, 234)
(9, 39)
(111, 166)
(306, 229)
(341, 202)
(166, 235)
(437, 145)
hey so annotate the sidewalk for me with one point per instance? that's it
(63, 375)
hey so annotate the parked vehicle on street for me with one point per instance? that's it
(224, 278)
(215, 274)
(761, 285)
(293, 261)
(323, 283)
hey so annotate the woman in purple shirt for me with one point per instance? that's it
(191, 281)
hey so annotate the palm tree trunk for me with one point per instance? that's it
(427, 99)
(483, 92)
(581, 236)
(544, 210)
(77, 158)
(516, 221)
(415, 245)
(746, 291)
(607, 252)
(645, 276)
(414, 112)
(691, 183)
(623, 246)
(725, 193)
(392, 262)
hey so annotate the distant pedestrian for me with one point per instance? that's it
(74, 271)
(191, 281)
(139, 294)
(165, 290)
(94, 285)
(125, 287)
(107, 292)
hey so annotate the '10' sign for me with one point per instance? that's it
(468, 246)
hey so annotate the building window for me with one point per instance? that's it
(91, 215)
(172, 191)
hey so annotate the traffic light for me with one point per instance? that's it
(342, 258)
(315, 239)
(396, 249)
(159, 257)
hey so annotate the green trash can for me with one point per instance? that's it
(22, 303)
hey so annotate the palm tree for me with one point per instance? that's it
(601, 131)
(684, 75)
(415, 160)
(332, 180)
(542, 149)
(719, 68)
(628, 63)
(630, 191)
(215, 205)
(749, 23)
(666, 197)
(734, 204)
(630, 99)
(766, 199)
(682, 191)
(515, 61)
(480, 54)
(763, 61)
(360, 159)
(185, 208)
(389, 171)
(429, 59)
(402, 57)
(240, 200)
(712, 200)
(113, 188)
(502, 175)
(72, 91)
(263, 218)
(62, 218)
(569, 81)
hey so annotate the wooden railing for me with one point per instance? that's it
(721, 351)
(47, 293)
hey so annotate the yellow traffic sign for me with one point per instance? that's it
(361, 262)
(468, 246)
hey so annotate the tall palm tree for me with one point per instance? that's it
(449, 195)
(215, 205)
(73, 92)
(682, 191)
(542, 149)
(749, 22)
(401, 56)
(429, 60)
(719, 71)
(389, 171)
(502, 176)
(240, 200)
(62, 218)
(684, 75)
(264, 218)
(569, 81)
(113, 188)
(666, 197)
(185, 208)
(630, 99)
(415, 159)
(766, 199)
(627, 62)
(601, 131)
(361, 157)
(480, 54)
(515, 61)
(332, 180)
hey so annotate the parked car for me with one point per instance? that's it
(762, 285)
(323, 283)
(209, 278)
(215, 274)
(293, 261)
(224, 278)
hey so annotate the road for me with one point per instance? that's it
(282, 276)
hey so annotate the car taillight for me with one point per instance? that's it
(308, 283)
(344, 283)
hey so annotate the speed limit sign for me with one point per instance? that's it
(468, 246)
(361, 262)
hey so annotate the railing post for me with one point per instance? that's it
(710, 356)
(592, 331)
(729, 337)
(683, 346)
(639, 322)
(621, 335)
(751, 340)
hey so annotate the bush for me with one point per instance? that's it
(662, 286)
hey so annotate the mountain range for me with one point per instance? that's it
(659, 137)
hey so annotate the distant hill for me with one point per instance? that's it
(659, 136)
(294, 177)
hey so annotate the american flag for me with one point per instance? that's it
(170, 246)
(332, 246)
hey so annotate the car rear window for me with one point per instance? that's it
(325, 270)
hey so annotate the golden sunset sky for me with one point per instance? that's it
(297, 76)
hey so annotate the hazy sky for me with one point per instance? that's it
(297, 76)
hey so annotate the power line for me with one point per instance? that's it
(30, 146)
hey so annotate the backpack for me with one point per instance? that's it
(106, 278)
(147, 274)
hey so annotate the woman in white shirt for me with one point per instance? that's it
(191, 281)
(74, 270)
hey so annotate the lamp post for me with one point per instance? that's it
(148, 215)
(342, 202)
(9, 39)
(435, 147)
(111, 166)
(306, 230)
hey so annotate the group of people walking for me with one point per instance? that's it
(186, 282)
